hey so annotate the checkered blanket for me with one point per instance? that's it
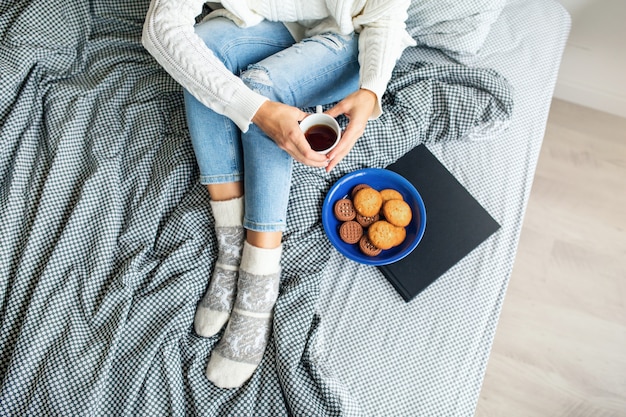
(106, 238)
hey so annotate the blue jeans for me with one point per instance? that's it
(319, 70)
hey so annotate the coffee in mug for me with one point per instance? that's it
(321, 131)
(320, 137)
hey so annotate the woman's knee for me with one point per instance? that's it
(239, 47)
(218, 35)
(259, 79)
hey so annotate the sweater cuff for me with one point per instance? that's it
(243, 106)
(378, 86)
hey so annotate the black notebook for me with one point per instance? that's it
(455, 224)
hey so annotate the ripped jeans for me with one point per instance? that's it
(319, 70)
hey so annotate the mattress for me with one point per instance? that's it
(428, 357)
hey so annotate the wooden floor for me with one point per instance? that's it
(560, 347)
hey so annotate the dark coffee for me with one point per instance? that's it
(320, 137)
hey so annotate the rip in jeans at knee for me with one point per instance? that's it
(257, 78)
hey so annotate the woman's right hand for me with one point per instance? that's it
(281, 123)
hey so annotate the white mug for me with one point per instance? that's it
(321, 130)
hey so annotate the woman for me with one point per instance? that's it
(247, 69)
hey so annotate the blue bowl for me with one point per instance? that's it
(378, 179)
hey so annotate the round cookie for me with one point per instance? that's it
(368, 247)
(367, 202)
(381, 234)
(366, 221)
(397, 212)
(399, 235)
(390, 194)
(357, 188)
(344, 210)
(350, 232)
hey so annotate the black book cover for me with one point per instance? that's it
(455, 224)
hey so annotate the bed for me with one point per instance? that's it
(106, 237)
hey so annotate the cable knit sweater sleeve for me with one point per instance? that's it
(382, 39)
(168, 34)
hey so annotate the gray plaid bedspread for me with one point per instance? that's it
(106, 241)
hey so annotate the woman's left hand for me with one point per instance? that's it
(357, 107)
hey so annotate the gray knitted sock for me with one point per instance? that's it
(239, 352)
(215, 307)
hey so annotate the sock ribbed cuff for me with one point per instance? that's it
(260, 261)
(228, 213)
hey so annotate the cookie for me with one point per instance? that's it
(368, 247)
(365, 221)
(367, 202)
(344, 210)
(390, 194)
(399, 234)
(397, 212)
(350, 232)
(357, 188)
(382, 234)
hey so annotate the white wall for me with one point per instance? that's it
(593, 69)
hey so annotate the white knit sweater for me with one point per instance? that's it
(168, 34)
